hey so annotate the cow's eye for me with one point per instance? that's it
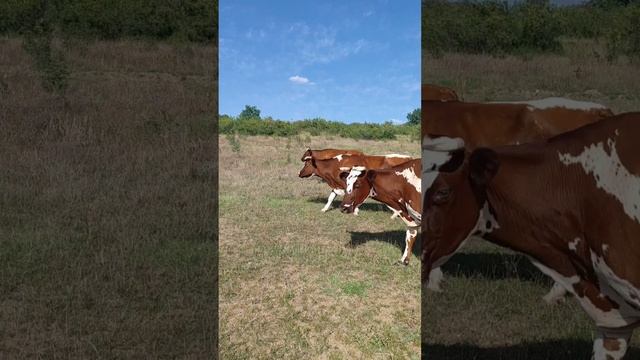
(442, 196)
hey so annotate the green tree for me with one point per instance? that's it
(413, 118)
(250, 112)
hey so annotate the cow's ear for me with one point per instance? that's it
(483, 166)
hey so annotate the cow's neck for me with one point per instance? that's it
(388, 192)
(328, 170)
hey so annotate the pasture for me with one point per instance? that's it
(107, 220)
(296, 283)
(491, 307)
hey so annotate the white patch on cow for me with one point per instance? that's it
(486, 221)
(622, 287)
(396, 213)
(556, 294)
(605, 248)
(611, 318)
(410, 233)
(411, 177)
(409, 223)
(442, 143)
(574, 244)
(306, 158)
(556, 102)
(610, 175)
(396, 156)
(327, 206)
(431, 159)
(601, 353)
(339, 157)
(339, 191)
(415, 215)
(353, 176)
(435, 278)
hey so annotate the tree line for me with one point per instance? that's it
(186, 20)
(531, 26)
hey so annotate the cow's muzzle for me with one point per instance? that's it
(347, 208)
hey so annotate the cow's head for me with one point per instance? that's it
(358, 180)
(455, 208)
(309, 167)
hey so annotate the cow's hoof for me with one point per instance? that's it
(400, 262)
(324, 210)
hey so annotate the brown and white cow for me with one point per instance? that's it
(438, 93)
(329, 168)
(571, 204)
(309, 169)
(447, 126)
(397, 187)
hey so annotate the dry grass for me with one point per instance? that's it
(580, 74)
(106, 220)
(491, 307)
(299, 284)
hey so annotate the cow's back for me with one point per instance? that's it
(326, 154)
(438, 93)
(478, 124)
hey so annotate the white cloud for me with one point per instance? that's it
(368, 13)
(301, 80)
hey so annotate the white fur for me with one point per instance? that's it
(353, 176)
(554, 102)
(410, 233)
(574, 244)
(339, 157)
(332, 196)
(442, 143)
(622, 287)
(411, 177)
(396, 156)
(610, 175)
(612, 318)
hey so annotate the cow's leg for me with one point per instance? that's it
(410, 238)
(435, 278)
(329, 202)
(611, 344)
(396, 213)
(556, 294)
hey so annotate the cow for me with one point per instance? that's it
(491, 124)
(397, 187)
(571, 204)
(329, 168)
(438, 93)
(309, 169)
(448, 126)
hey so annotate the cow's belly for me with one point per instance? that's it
(612, 318)
(616, 287)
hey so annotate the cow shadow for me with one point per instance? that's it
(364, 207)
(546, 350)
(393, 237)
(494, 266)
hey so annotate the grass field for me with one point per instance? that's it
(107, 201)
(491, 307)
(296, 283)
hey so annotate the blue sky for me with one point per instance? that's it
(349, 61)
